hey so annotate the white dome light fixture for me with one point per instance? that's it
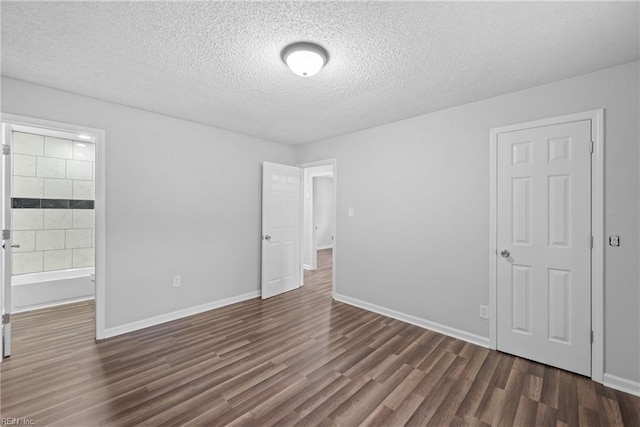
(305, 59)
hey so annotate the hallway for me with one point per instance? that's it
(319, 280)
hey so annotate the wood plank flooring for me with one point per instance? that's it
(296, 359)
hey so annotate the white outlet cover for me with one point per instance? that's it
(484, 312)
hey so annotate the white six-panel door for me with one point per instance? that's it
(281, 228)
(544, 244)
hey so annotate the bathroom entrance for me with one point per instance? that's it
(49, 204)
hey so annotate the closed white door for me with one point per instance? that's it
(281, 228)
(544, 245)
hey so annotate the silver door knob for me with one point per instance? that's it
(267, 237)
(505, 253)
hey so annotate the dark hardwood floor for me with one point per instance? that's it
(298, 358)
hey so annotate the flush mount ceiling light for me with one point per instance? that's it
(305, 59)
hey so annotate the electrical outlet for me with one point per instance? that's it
(484, 311)
(614, 240)
(177, 281)
(350, 212)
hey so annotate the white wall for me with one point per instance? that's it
(419, 240)
(324, 212)
(182, 199)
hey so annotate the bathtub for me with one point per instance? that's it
(38, 290)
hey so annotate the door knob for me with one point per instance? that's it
(267, 237)
(13, 246)
(505, 253)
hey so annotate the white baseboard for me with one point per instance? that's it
(175, 315)
(324, 247)
(306, 267)
(417, 321)
(622, 384)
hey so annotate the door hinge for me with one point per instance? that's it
(6, 234)
(591, 242)
(6, 149)
(591, 337)
(591, 147)
(6, 318)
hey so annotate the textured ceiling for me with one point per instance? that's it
(219, 62)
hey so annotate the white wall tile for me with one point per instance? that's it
(26, 240)
(84, 151)
(83, 257)
(27, 219)
(80, 238)
(84, 190)
(58, 260)
(55, 219)
(24, 165)
(47, 240)
(57, 147)
(27, 262)
(27, 143)
(51, 168)
(29, 187)
(78, 169)
(83, 218)
(58, 188)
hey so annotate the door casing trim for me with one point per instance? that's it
(100, 204)
(597, 229)
(334, 163)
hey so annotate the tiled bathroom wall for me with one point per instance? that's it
(53, 194)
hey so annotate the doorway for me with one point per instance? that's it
(547, 242)
(53, 221)
(318, 213)
(283, 215)
(318, 225)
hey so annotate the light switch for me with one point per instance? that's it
(350, 212)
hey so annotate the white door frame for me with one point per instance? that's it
(311, 176)
(334, 163)
(597, 229)
(5, 259)
(100, 202)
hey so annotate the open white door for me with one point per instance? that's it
(281, 228)
(544, 244)
(5, 346)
